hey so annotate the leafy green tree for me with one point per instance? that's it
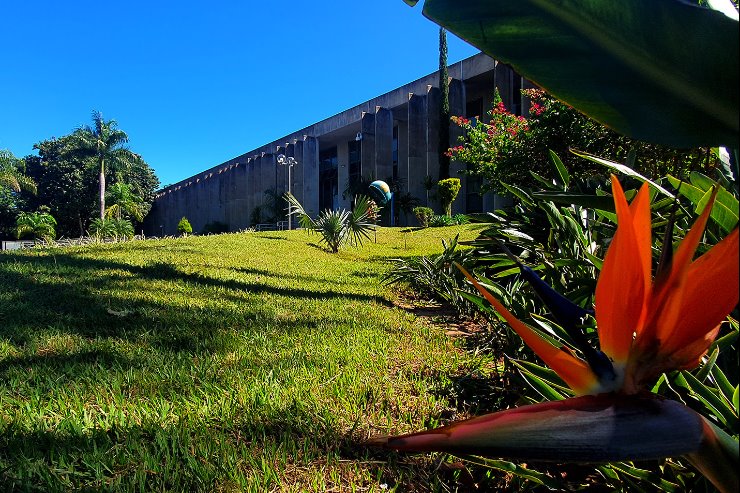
(104, 141)
(37, 225)
(66, 178)
(123, 202)
(448, 190)
(12, 173)
(184, 227)
(444, 107)
(13, 180)
(66, 184)
(509, 148)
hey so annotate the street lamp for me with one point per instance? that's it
(288, 161)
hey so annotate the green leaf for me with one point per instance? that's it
(517, 470)
(604, 203)
(726, 390)
(649, 476)
(622, 169)
(703, 372)
(712, 401)
(621, 63)
(560, 168)
(519, 193)
(725, 210)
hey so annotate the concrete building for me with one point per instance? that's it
(393, 136)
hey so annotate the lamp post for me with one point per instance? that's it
(288, 161)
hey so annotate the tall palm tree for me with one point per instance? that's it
(105, 142)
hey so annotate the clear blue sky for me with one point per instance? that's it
(197, 83)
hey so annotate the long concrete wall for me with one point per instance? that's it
(230, 192)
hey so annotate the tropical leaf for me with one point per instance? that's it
(622, 63)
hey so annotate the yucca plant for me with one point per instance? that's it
(337, 228)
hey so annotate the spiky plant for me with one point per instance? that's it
(337, 228)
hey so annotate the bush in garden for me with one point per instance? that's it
(447, 191)
(41, 225)
(184, 227)
(115, 229)
(423, 215)
(338, 228)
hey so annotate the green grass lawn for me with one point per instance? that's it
(239, 362)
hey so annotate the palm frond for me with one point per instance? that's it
(295, 207)
(358, 221)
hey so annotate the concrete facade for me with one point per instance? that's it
(397, 135)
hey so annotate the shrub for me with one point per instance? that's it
(117, 229)
(441, 221)
(461, 219)
(338, 228)
(184, 227)
(423, 215)
(37, 225)
(448, 190)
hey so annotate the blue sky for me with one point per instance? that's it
(195, 84)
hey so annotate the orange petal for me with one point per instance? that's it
(624, 281)
(709, 295)
(689, 356)
(667, 306)
(574, 371)
(590, 429)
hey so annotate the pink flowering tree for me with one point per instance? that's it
(505, 147)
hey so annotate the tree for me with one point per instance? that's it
(510, 148)
(184, 227)
(66, 178)
(105, 143)
(66, 184)
(13, 180)
(444, 107)
(123, 202)
(12, 173)
(448, 190)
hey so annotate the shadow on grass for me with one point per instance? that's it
(62, 292)
(192, 456)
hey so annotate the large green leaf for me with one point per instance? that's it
(664, 71)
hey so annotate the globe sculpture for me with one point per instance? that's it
(380, 192)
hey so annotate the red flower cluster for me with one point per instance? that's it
(536, 109)
(500, 109)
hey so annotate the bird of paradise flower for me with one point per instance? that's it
(646, 326)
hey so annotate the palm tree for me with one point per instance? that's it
(11, 174)
(337, 228)
(123, 202)
(105, 142)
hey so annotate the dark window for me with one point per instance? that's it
(474, 108)
(473, 198)
(355, 162)
(328, 179)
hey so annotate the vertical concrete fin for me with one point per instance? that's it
(311, 175)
